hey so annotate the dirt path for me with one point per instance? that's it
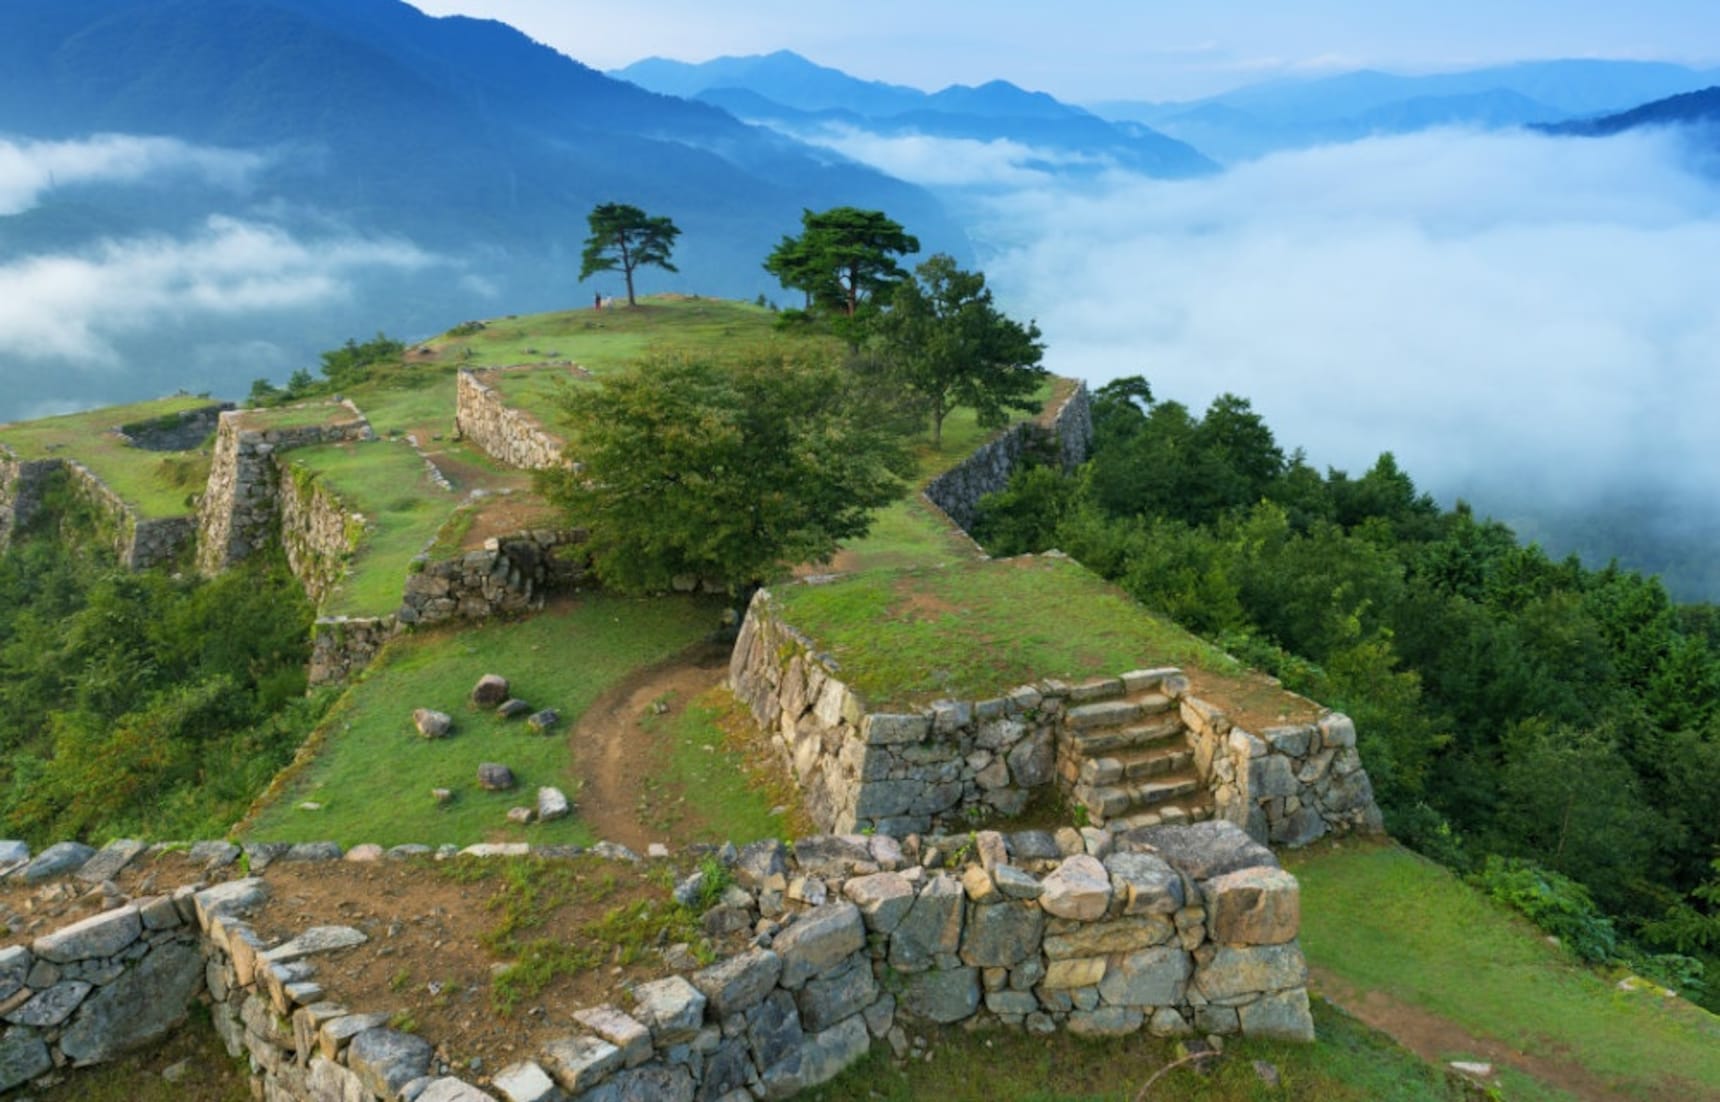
(1438, 1040)
(610, 746)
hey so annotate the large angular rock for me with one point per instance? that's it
(1106, 1021)
(1150, 977)
(1226, 971)
(1079, 888)
(651, 1083)
(1032, 760)
(15, 962)
(449, 1089)
(822, 1058)
(495, 777)
(111, 861)
(386, 1059)
(525, 1081)
(23, 1056)
(1146, 883)
(761, 862)
(727, 1071)
(932, 925)
(432, 724)
(831, 855)
(883, 898)
(773, 1029)
(317, 939)
(141, 1006)
(1002, 935)
(818, 941)
(826, 1000)
(235, 897)
(51, 1006)
(1283, 1016)
(739, 983)
(59, 859)
(490, 691)
(1202, 850)
(671, 1008)
(552, 804)
(102, 935)
(1118, 935)
(579, 1063)
(1257, 906)
(944, 995)
(327, 1080)
(621, 1030)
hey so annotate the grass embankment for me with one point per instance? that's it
(1399, 931)
(1349, 1063)
(403, 510)
(373, 775)
(979, 628)
(155, 484)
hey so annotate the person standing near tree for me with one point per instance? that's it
(624, 238)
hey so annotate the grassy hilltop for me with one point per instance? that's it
(652, 749)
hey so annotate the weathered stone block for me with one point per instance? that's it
(944, 996)
(386, 1059)
(671, 1008)
(1118, 935)
(1001, 935)
(1257, 906)
(621, 1030)
(884, 899)
(580, 1063)
(894, 730)
(1145, 883)
(933, 925)
(1079, 888)
(102, 935)
(1150, 977)
(1061, 975)
(1106, 1021)
(1201, 850)
(818, 941)
(1227, 971)
(738, 983)
(1282, 1016)
(139, 1007)
(826, 1000)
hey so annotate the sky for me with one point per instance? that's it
(1115, 49)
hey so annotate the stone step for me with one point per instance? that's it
(1135, 765)
(1106, 802)
(1118, 713)
(1112, 740)
(1177, 811)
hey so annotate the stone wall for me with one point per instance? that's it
(1070, 434)
(240, 510)
(1138, 749)
(1173, 930)
(318, 532)
(508, 435)
(342, 645)
(23, 486)
(1290, 785)
(177, 432)
(509, 575)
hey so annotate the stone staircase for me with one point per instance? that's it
(1126, 755)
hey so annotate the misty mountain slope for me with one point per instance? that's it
(1701, 108)
(808, 101)
(1289, 114)
(456, 155)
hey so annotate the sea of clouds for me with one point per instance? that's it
(1524, 320)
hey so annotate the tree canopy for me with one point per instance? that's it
(948, 344)
(843, 258)
(700, 471)
(624, 238)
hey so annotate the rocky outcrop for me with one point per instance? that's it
(1065, 436)
(508, 435)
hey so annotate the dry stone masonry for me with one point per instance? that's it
(508, 435)
(1173, 930)
(1068, 436)
(1136, 749)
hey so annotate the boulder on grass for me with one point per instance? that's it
(513, 708)
(490, 690)
(552, 804)
(494, 777)
(432, 724)
(543, 722)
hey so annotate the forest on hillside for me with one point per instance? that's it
(1549, 729)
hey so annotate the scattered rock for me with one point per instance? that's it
(494, 777)
(513, 709)
(442, 795)
(520, 815)
(552, 804)
(543, 722)
(1477, 1070)
(57, 860)
(431, 723)
(491, 690)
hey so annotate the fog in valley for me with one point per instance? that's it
(1527, 322)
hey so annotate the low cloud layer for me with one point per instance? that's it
(949, 162)
(30, 169)
(71, 309)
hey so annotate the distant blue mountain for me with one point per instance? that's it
(1295, 113)
(463, 136)
(786, 91)
(1701, 108)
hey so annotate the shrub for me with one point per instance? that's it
(1557, 904)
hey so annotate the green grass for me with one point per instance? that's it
(408, 399)
(712, 775)
(1381, 918)
(151, 482)
(608, 340)
(905, 535)
(536, 391)
(319, 411)
(1349, 1063)
(979, 628)
(373, 775)
(403, 510)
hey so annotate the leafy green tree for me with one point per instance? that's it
(843, 259)
(350, 364)
(625, 238)
(699, 471)
(950, 345)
